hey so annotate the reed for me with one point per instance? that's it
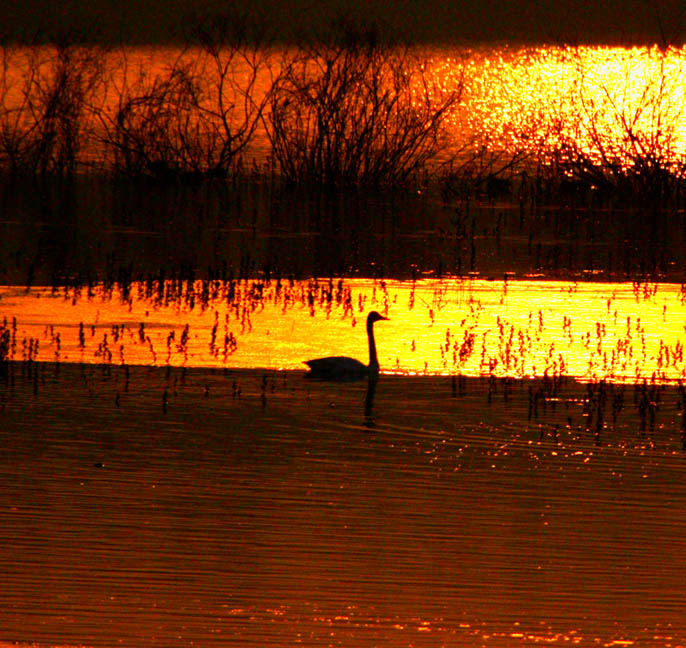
(621, 151)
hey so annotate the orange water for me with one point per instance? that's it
(619, 332)
(614, 104)
(256, 508)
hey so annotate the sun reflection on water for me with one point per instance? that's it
(611, 102)
(607, 101)
(521, 329)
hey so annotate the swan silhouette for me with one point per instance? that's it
(344, 368)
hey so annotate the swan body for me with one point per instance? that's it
(344, 368)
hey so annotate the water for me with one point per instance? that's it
(617, 332)
(281, 513)
(170, 504)
(514, 478)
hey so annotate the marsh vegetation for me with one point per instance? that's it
(352, 110)
(595, 127)
(181, 227)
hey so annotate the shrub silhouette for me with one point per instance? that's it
(44, 109)
(355, 111)
(192, 118)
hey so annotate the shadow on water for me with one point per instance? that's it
(369, 402)
(371, 382)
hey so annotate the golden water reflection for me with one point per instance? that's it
(612, 104)
(592, 331)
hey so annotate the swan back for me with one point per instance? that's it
(337, 367)
(344, 368)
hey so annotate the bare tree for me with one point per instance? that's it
(356, 111)
(194, 116)
(44, 97)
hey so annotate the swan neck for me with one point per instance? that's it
(373, 360)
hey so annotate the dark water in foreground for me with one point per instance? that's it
(171, 507)
(247, 508)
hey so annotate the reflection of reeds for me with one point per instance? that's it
(5, 339)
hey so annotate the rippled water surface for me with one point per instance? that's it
(622, 332)
(261, 509)
(193, 500)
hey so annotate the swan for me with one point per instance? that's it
(342, 367)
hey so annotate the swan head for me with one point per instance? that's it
(374, 317)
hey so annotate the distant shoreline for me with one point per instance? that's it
(429, 22)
